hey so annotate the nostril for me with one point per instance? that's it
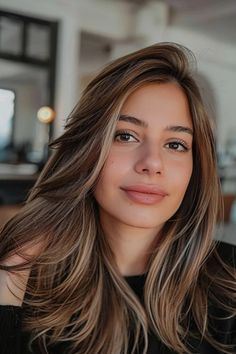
(149, 170)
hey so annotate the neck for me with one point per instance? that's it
(132, 246)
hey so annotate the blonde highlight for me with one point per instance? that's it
(75, 277)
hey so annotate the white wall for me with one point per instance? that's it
(216, 60)
(102, 17)
(129, 29)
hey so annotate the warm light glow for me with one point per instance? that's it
(46, 114)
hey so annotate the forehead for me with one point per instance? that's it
(166, 103)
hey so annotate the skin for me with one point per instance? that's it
(13, 285)
(148, 153)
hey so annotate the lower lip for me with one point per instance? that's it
(144, 198)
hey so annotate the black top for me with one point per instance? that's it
(12, 341)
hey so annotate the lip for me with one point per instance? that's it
(145, 194)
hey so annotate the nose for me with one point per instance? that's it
(150, 161)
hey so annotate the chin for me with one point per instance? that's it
(144, 224)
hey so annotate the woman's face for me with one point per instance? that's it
(150, 162)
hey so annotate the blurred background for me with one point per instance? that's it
(51, 49)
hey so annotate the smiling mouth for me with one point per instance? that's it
(144, 195)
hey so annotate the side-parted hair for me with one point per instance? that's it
(75, 292)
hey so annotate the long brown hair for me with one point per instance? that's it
(75, 277)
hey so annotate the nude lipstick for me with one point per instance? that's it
(144, 194)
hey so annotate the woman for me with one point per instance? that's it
(113, 251)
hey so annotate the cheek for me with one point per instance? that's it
(181, 174)
(107, 177)
(115, 167)
(187, 176)
(108, 172)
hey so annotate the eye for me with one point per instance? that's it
(177, 146)
(124, 137)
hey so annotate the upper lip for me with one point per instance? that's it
(149, 189)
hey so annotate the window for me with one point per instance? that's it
(7, 108)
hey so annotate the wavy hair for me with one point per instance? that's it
(75, 292)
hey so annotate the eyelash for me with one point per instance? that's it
(176, 141)
(124, 132)
(180, 142)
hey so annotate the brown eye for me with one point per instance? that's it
(124, 137)
(178, 146)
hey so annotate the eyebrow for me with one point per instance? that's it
(141, 123)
